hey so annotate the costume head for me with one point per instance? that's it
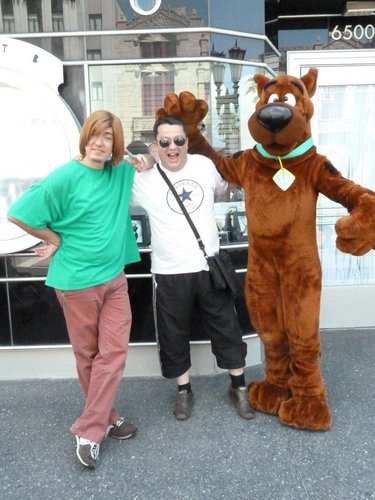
(281, 120)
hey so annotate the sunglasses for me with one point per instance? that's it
(179, 141)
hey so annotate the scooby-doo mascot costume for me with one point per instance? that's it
(281, 178)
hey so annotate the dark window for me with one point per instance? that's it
(97, 91)
(57, 5)
(8, 24)
(57, 21)
(8, 16)
(155, 86)
(34, 16)
(94, 55)
(95, 22)
(7, 7)
(157, 49)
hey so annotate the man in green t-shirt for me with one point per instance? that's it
(80, 211)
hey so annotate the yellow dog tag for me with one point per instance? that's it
(283, 178)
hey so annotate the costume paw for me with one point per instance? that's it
(267, 397)
(306, 412)
(186, 107)
(356, 232)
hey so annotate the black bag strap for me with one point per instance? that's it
(183, 208)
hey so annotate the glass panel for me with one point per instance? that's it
(37, 318)
(140, 295)
(346, 121)
(253, 50)
(95, 22)
(152, 46)
(8, 23)
(73, 91)
(145, 7)
(231, 103)
(231, 100)
(238, 16)
(170, 14)
(36, 315)
(5, 336)
(26, 265)
(58, 22)
(65, 48)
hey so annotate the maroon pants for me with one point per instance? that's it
(98, 320)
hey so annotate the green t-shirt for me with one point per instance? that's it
(89, 209)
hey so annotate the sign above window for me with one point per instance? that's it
(145, 7)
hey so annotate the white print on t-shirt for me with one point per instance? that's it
(191, 194)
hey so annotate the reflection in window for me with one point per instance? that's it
(57, 15)
(155, 86)
(57, 5)
(58, 22)
(346, 120)
(145, 7)
(57, 47)
(96, 91)
(94, 55)
(156, 81)
(33, 23)
(95, 22)
(8, 16)
(34, 16)
(152, 48)
(8, 23)
(72, 91)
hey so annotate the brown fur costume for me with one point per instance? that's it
(283, 281)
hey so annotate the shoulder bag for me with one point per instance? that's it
(222, 271)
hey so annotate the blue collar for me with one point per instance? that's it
(302, 148)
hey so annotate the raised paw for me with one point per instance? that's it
(186, 107)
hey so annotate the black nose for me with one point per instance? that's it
(274, 117)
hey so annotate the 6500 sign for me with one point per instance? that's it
(350, 32)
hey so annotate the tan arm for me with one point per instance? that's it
(50, 238)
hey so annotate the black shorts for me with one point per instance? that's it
(175, 299)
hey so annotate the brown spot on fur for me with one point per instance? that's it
(331, 169)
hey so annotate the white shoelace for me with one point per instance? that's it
(94, 447)
(116, 424)
(119, 422)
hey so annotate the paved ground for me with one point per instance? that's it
(215, 455)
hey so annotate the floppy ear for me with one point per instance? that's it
(310, 80)
(260, 80)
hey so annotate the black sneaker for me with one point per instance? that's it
(122, 429)
(87, 452)
(183, 405)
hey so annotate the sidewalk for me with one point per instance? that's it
(215, 455)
